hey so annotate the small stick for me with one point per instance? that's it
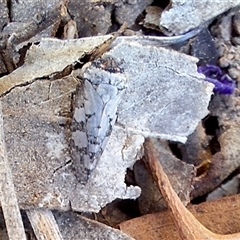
(8, 197)
(44, 224)
(187, 225)
(104, 47)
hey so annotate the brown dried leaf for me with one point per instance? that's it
(221, 216)
(187, 225)
(152, 17)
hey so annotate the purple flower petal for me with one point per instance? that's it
(223, 83)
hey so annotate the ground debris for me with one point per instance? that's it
(221, 216)
(186, 15)
(180, 175)
(73, 226)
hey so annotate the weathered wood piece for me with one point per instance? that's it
(8, 199)
(44, 224)
(50, 56)
(73, 226)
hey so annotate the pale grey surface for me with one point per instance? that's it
(166, 97)
(4, 13)
(185, 15)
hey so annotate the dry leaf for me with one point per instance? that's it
(151, 19)
(92, 19)
(221, 216)
(187, 225)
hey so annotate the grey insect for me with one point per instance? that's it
(98, 95)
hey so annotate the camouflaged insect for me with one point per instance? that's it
(98, 95)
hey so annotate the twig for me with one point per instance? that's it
(104, 47)
(44, 224)
(8, 197)
(187, 225)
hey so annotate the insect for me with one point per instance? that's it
(98, 95)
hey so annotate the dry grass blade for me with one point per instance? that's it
(8, 197)
(188, 226)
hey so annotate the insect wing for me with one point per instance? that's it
(94, 116)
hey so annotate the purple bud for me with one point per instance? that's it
(223, 83)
